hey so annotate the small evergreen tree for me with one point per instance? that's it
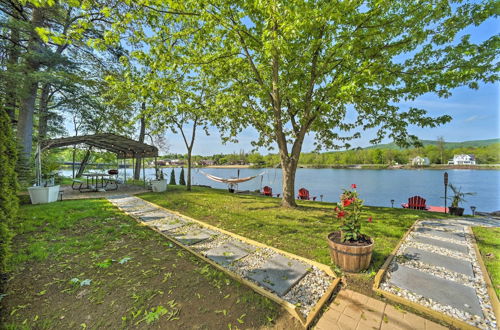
(182, 181)
(8, 187)
(172, 178)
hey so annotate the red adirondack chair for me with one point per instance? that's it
(416, 203)
(267, 191)
(304, 195)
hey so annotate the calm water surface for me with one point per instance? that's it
(376, 187)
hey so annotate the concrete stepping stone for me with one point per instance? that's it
(166, 226)
(279, 274)
(154, 215)
(443, 244)
(195, 236)
(140, 211)
(435, 259)
(442, 225)
(120, 197)
(443, 291)
(227, 253)
(441, 233)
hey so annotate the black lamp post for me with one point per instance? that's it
(445, 189)
(473, 209)
(392, 202)
(321, 196)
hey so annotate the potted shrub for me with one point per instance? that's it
(45, 190)
(160, 184)
(349, 248)
(456, 199)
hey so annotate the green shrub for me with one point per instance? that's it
(172, 178)
(8, 185)
(182, 181)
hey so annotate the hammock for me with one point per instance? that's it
(229, 181)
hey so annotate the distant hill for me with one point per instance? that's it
(448, 145)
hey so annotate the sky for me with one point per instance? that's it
(475, 116)
(475, 113)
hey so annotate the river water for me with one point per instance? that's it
(376, 187)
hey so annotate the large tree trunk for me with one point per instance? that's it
(13, 54)
(84, 162)
(188, 187)
(288, 171)
(27, 109)
(142, 133)
(43, 112)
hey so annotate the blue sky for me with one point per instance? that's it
(475, 116)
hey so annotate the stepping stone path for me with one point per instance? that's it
(436, 266)
(293, 280)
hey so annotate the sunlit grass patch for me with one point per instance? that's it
(488, 240)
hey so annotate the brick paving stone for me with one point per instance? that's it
(352, 310)
(329, 321)
(348, 323)
(429, 325)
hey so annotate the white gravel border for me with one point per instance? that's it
(477, 282)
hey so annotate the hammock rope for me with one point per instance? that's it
(229, 181)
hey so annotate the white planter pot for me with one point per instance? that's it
(159, 185)
(40, 195)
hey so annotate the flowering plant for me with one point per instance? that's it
(349, 211)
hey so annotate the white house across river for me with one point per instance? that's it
(462, 159)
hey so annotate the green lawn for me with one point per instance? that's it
(301, 231)
(488, 240)
(84, 264)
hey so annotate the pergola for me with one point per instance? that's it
(123, 147)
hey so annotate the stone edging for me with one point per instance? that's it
(289, 307)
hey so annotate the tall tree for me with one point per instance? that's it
(292, 68)
(440, 145)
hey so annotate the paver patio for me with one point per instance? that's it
(353, 311)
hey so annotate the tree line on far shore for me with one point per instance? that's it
(484, 155)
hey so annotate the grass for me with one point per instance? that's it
(301, 231)
(84, 264)
(488, 240)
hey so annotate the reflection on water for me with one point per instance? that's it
(376, 187)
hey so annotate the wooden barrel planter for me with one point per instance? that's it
(350, 258)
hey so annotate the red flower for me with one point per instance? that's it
(341, 214)
(370, 219)
(347, 202)
(353, 186)
(336, 209)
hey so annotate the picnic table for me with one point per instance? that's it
(93, 178)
